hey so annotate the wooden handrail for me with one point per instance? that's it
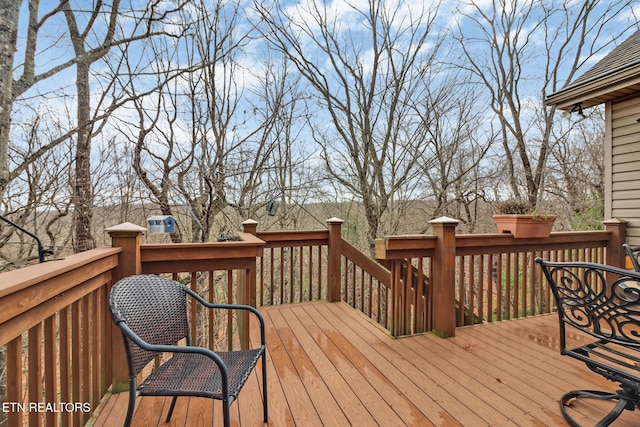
(375, 269)
(59, 310)
(32, 294)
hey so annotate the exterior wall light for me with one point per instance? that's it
(576, 108)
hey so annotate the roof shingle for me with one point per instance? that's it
(625, 55)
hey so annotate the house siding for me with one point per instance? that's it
(625, 164)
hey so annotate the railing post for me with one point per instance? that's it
(334, 270)
(128, 237)
(444, 277)
(615, 254)
(248, 280)
(247, 288)
(250, 226)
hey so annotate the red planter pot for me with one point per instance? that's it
(525, 226)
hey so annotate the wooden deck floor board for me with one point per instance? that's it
(279, 345)
(492, 406)
(410, 379)
(380, 395)
(279, 409)
(342, 386)
(528, 361)
(431, 376)
(329, 365)
(516, 375)
(517, 396)
(297, 344)
(529, 353)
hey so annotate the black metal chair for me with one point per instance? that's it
(633, 252)
(604, 303)
(151, 312)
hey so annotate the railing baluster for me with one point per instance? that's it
(481, 285)
(470, 293)
(281, 295)
(76, 356)
(34, 371)
(230, 313)
(14, 379)
(310, 272)
(50, 366)
(211, 289)
(65, 362)
(271, 276)
(260, 281)
(301, 272)
(319, 275)
(292, 296)
(85, 389)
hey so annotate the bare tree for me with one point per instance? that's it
(286, 176)
(82, 37)
(519, 48)
(454, 175)
(206, 137)
(363, 67)
(9, 11)
(37, 199)
(575, 174)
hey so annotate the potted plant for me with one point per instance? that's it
(517, 217)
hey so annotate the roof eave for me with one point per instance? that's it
(591, 92)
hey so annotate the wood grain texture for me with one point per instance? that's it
(330, 365)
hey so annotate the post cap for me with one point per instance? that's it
(126, 227)
(444, 220)
(335, 220)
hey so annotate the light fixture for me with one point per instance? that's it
(272, 207)
(575, 108)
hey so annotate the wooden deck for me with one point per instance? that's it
(329, 365)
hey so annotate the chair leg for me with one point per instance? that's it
(621, 405)
(265, 406)
(132, 402)
(615, 413)
(225, 413)
(173, 404)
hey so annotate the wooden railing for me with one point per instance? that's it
(446, 280)
(498, 281)
(54, 322)
(62, 349)
(295, 267)
(222, 272)
(366, 285)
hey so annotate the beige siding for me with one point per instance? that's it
(625, 164)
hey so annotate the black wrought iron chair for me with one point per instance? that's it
(633, 252)
(151, 312)
(604, 303)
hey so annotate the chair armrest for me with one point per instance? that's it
(233, 307)
(172, 348)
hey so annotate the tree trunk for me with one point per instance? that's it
(8, 32)
(83, 192)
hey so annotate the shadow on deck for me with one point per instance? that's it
(330, 365)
